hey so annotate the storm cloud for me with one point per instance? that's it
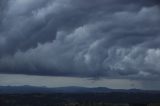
(82, 38)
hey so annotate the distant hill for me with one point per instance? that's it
(70, 89)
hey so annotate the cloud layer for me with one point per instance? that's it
(83, 38)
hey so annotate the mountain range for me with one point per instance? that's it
(70, 89)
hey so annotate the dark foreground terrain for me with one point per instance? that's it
(76, 96)
(81, 99)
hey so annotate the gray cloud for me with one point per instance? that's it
(83, 38)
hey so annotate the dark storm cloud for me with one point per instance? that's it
(85, 38)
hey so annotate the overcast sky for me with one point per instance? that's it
(106, 41)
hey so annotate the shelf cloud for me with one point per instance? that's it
(81, 38)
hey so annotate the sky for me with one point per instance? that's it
(111, 43)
